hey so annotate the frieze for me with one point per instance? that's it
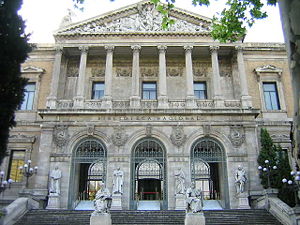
(98, 72)
(119, 137)
(123, 71)
(146, 20)
(175, 71)
(21, 138)
(149, 71)
(281, 137)
(60, 135)
(201, 69)
(237, 135)
(72, 72)
(178, 137)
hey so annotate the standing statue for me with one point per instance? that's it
(118, 181)
(55, 176)
(180, 181)
(194, 199)
(240, 179)
(103, 200)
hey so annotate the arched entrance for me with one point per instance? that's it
(208, 170)
(148, 175)
(88, 170)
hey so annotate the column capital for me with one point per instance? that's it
(58, 49)
(239, 48)
(214, 48)
(162, 48)
(136, 48)
(188, 48)
(83, 49)
(109, 48)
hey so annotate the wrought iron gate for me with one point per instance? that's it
(148, 162)
(89, 161)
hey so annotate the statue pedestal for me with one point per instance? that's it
(53, 201)
(180, 202)
(100, 219)
(116, 202)
(243, 201)
(194, 219)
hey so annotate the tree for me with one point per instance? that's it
(231, 25)
(267, 152)
(13, 52)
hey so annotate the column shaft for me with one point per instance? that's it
(242, 72)
(82, 69)
(162, 71)
(135, 89)
(189, 72)
(108, 71)
(215, 72)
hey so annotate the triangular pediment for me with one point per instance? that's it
(32, 69)
(139, 18)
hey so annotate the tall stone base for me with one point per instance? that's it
(180, 202)
(194, 219)
(100, 219)
(53, 201)
(243, 202)
(116, 202)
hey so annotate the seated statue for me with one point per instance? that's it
(102, 201)
(194, 199)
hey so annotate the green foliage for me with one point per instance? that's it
(276, 156)
(231, 25)
(13, 52)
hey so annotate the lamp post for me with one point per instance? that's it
(27, 171)
(295, 185)
(267, 168)
(4, 183)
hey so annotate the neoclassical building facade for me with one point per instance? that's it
(117, 91)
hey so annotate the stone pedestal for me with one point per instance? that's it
(135, 102)
(100, 219)
(243, 202)
(78, 102)
(53, 201)
(116, 202)
(163, 102)
(194, 219)
(180, 202)
(218, 102)
(191, 102)
(106, 102)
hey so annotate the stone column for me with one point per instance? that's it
(135, 99)
(79, 99)
(51, 100)
(245, 98)
(190, 98)
(162, 88)
(107, 99)
(217, 94)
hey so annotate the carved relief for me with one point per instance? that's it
(174, 71)
(178, 137)
(237, 135)
(90, 129)
(123, 71)
(207, 129)
(119, 137)
(73, 68)
(279, 137)
(21, 138)
(98, 72)
(201, 69)
(149, 130)
(268, 69)
(61, 136)
(225, 69)
(147, 19)
(149, 71)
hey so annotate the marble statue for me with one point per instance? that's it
(55, 177)
(194, 199)
(102, 201)
(118, 181)
(240, 179)
(179, 181)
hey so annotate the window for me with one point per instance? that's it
(28, 97)
(200, 90)
(98, 90)
(271, 96)
(149, 91)
(17, 159)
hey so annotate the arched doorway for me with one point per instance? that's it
(148, 175)
(88, 170)
(208, 170)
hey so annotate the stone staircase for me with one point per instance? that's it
(124, 217)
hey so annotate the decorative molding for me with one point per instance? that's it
(61, 135)
(98, 72)
(123, 71)
(279, 137)
(178, 137)
(119, 137)
(21, 138)
(201, 69)
(149, 71)
(72, 71)
(268, 69)
(237, 135)
(214, 48)
(207, 129)
(174, 71)
(90, 129)
(32, 69)
(149, 130)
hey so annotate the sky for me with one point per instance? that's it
(43, 17)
